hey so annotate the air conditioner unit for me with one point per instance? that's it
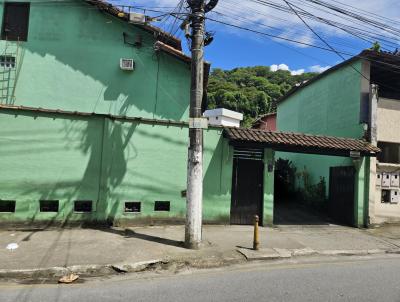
(126, 64)
(137, 18)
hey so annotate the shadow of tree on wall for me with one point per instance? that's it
(83, 63)
(105, 147)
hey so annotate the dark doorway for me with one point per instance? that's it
(247, 186)
(341, 194)
(15, 21)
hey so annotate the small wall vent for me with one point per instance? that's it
(162, 206)
(83, 206)
(132, 207)
(7, 206)
(48, 205)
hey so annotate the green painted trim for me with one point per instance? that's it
(361, 192)
(268, 208)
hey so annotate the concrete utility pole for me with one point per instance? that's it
(195, 154)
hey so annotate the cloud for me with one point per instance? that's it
(318, 68)
(314, 68)
(275, 67)
(297, 72)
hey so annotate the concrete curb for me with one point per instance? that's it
(81, 270)
(109, 269)
(275, 253)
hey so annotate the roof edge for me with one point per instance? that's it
(160, 34)
(295, 89)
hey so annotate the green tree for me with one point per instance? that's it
(252, 91)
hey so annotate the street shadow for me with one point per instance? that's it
(128, 233)
(296, 213)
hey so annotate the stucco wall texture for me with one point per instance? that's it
(329, 106)
(56, 157)
(388, 119)
(71, 62)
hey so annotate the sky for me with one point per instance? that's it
(234, 47)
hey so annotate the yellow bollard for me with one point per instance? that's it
(256, 241)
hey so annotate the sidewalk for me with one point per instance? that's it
(86, 251)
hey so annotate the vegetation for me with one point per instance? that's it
(252, 91)
(286, 176)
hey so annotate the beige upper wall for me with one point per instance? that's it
(388, 120)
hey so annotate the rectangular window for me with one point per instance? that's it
(162, 206)
(132, 207)
(7, 62)
(7, 206)
(390, 153)
(15, 21)
(83, 206)
(48, 205)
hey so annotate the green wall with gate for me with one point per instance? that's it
(329, 106)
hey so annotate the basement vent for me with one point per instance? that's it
(7, 61)
(162, 206)
(248, 153)
(48, 205)
(83, 206)
(7, 206)
(132, 207)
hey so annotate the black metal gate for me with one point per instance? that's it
(247, 185)
(341, 194)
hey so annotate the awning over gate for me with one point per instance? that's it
(300, 143)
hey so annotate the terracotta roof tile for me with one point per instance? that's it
(290, 141)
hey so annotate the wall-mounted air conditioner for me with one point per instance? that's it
(127, 64)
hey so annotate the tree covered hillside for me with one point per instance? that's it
(250, 90)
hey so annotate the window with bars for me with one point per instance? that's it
(7, 61)
(390, 153)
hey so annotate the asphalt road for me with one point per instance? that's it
(341, 280)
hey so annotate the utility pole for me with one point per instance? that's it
(194, 190)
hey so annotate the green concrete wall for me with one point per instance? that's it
(68, 158)
(329, 106)
(71, 62)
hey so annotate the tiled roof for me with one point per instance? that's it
(297, 142)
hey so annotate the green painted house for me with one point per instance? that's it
(93, 125)
(359, 99)
(93, 113)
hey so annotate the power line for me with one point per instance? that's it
(333, 49)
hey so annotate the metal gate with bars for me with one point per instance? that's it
(247, 185)
(341, 194)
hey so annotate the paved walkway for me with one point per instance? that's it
(67, 247)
